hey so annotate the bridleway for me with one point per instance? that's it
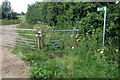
(11, 66)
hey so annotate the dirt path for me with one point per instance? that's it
(10, 65)
(0, 60)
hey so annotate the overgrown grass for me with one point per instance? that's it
(9, 22)
(83, 57)
(21, 17)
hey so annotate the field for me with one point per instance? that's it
(14, 21)
(22, 17)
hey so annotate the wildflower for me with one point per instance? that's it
(86, 33)
(72, 47)
(116, 50)
(98, 49)
(101, 51)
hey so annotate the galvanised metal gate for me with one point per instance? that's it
(42, 37)
(34, 38)
(11, 38)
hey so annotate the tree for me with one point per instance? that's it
(22, 13)
(7, 12)
(0, 11)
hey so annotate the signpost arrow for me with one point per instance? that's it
(101, 9)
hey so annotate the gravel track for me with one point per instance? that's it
(11, 66)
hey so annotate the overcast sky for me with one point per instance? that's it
(20, 5)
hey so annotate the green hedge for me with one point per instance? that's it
(66, 15)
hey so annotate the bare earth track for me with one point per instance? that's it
(10, 65)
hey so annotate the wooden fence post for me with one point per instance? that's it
(38, 32)
(42, 39)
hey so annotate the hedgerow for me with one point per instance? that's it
(66, 15)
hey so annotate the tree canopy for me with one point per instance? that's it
(7, 12)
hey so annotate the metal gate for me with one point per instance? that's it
(44, 39)
(34, 38)
(12, 37)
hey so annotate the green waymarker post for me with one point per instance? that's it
(103, 9)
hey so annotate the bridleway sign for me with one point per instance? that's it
(103, 9)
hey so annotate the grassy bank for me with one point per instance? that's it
(9, 22)
(84, 57)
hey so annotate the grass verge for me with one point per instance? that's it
(9, 22)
